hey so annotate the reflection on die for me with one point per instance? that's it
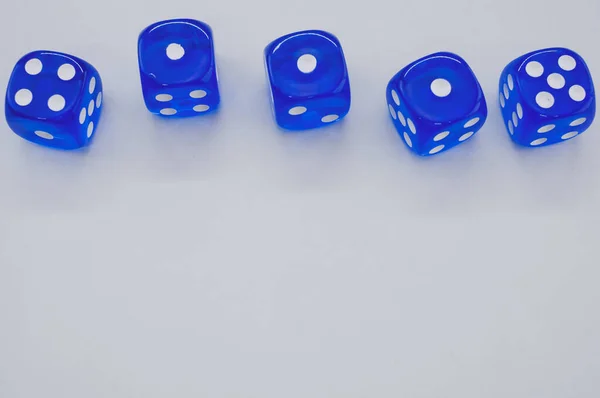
(177, 67)
(436, 103)
(547, 97)
(308, 80)
(54, 99)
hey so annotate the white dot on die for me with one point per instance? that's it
(90, 129)
(82, 115)
(91, 107)
(99, 100)
(441, 88)
(175, 51)
(534, 69)
(577, 93)
(515, 119)
(56, 103)
(297, 110)
(566, 62)
(502, 101)
(546, 128)
(506, 93)
(330, 118)
(569, 135)
(544, 99)
(402, 118)
(168, 111)
(23, 97)
(92, 86)
(44, 135)
(198, 94)
(411, 126)
(392, 112)
(33, 66)
(539, 141)
(466, 136)
(306, 63)
(511, 82)
(395, 97)
(511, 128)
(201, 108)
(472, 122)
(163, 97)
(407, 139)
(441, 136)
(520, 111)
(66, 72)
(578, 122)
(556, 81)
(436, 149)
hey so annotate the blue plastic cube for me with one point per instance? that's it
(436, 103)
(178, 68)
(547, 97)
(308, 80)
(54, 99)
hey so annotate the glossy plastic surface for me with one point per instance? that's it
(547, 97)
(178, 69)
(436, 103)
(54, 99)
(308, 80)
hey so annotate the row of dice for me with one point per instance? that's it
(435, 103)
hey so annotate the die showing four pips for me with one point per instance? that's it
(54, 99)
(435, 103)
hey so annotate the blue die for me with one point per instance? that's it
(54, 99)
(436, 103)
(547, 97)
(178, 68)
(308, 80)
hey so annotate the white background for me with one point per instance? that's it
(219, 257)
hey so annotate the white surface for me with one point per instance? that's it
(218, 257)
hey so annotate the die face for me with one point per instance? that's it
(88, 116)
(436, 103)
(547, 97)
(45, 98)
(313, 112)
(178, 68)
(49, 96)
(308, 79)
(45, 133)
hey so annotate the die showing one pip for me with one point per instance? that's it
(436, 103)
(54, 99)
(308, 80)
(178, 68)
(547, 97)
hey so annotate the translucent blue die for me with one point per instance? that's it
(54, 99)
(178, 68)
(547, 97)
(436, 103)
(308, 80)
